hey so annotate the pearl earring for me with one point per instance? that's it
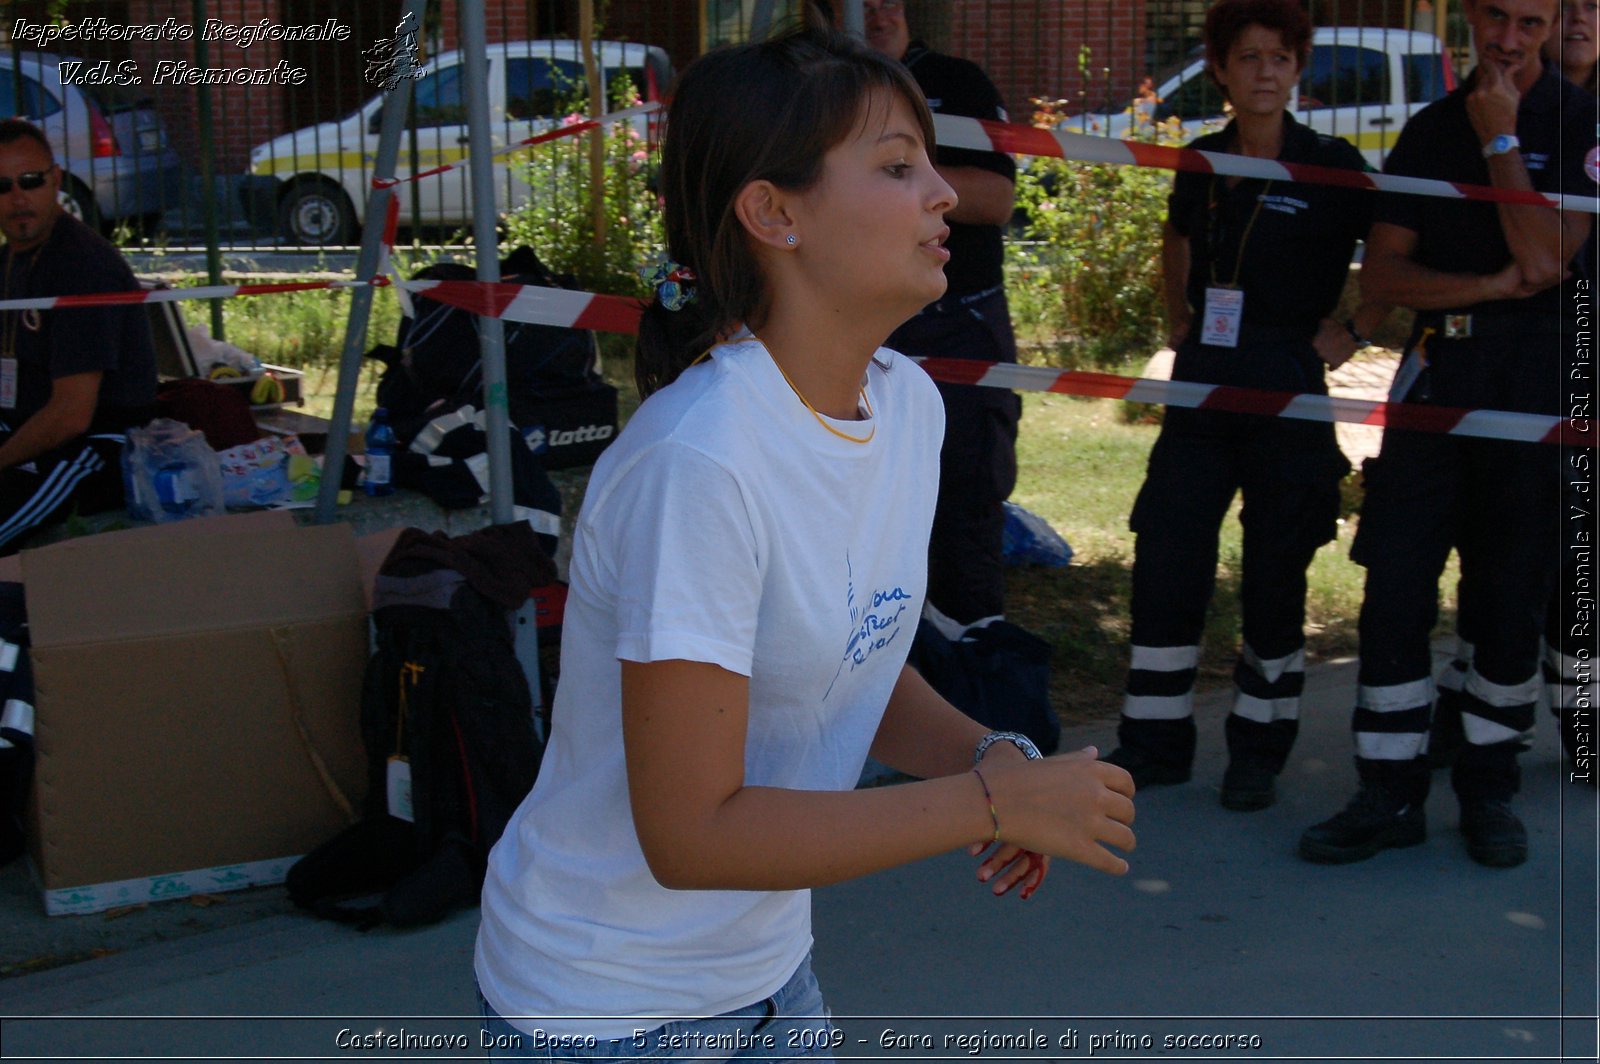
(791, 240)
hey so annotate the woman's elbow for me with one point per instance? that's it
(673, 863)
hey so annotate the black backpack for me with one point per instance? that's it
(445, 697)
(998, 674)
(555, 393)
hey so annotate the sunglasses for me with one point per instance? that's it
(27, 182)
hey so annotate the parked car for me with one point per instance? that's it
(1361, 83)
(109, 141)
(321, 174)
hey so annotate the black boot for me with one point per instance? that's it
(1386, 813)
(1256, 755)
(1155, 752)
(1485, 779)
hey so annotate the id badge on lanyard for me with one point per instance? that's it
(1223, 315)
(1224, 310)
(8, 384)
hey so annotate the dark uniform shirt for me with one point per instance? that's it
(957, 87)
(1556, 126)
(1286, 244)
(57, 343)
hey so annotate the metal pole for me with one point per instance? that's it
(355, 333)
(208, 174)
(491, 332)
(597, 139)
(855, 23)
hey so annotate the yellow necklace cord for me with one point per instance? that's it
(798, 394)
(820, 420)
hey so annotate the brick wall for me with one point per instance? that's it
(1031, 48)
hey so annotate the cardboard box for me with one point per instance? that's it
(197, 710)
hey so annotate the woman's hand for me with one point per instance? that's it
(1009, 865)
(1070, 805)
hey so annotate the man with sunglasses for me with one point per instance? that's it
(72, 380)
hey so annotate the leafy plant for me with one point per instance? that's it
(559, 220)
(1087, 287)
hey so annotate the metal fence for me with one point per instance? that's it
(251, 124)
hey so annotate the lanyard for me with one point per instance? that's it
(1214, 234)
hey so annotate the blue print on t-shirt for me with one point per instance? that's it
(874, 623)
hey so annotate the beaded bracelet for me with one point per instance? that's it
(994, 816)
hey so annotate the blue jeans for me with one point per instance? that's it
(792, 1024)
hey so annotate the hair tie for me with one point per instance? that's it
(673, 284)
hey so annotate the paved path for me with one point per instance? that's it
(1219, 930)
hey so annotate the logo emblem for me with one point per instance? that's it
(1591, 164)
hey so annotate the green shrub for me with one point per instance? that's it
(1086, 287)
(558, 221)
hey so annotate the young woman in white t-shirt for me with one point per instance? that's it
(747, 573)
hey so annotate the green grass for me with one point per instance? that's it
(1080, 466)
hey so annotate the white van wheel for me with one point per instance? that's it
(316, 212)
(79, 202)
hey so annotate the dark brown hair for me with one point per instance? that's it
(20, 129)
(1228, 19)
(756, 112)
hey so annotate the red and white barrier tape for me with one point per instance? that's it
(583, 310)
(983, 135)
(535, 305)
(620, 314)
(582, 126)
(1455, 421)
(176, 295)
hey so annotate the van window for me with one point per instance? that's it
(1424, 76)
(437, 99)
(537, 87)
(1344, 76)
(37, 101)
(1198, 97)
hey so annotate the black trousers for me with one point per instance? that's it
(978, 462)
(1498, 503)
(1288, 471)
(83, 476)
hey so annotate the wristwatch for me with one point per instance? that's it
(1017, 739)
(1500, 145)
(1350, 327)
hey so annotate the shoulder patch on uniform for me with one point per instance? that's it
(1591, 164)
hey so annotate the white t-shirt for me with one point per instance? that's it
(724, 525)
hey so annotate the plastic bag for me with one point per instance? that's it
(170, 473)
(271, 471)
(1029, 539)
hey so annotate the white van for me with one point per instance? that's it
(323, 172)
(1361, 83)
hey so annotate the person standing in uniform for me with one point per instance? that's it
(72, 380)
(978, 461)
(1572, 50)
(1486, 282)
(1252, 271)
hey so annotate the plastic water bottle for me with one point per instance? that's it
(381, 445)
(175, 488)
